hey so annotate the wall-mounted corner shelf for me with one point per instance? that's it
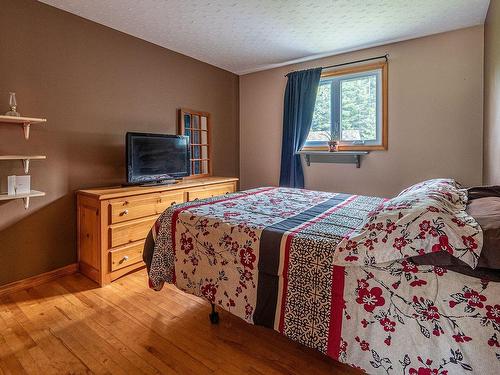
(24, 158)
(24, 197)
(350, 157)
(25, 122)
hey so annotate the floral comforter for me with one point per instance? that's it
(267, 256)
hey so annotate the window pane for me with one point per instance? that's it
(204, 166)
(196, 152)
(358, 121)
(322, 113)
(187, 121)
(196, 167)
(196, 122)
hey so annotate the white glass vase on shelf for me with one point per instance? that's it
(13, 106)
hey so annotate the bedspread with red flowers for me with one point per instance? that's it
(267, 256)
(400, 318)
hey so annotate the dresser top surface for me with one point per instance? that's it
(102, 193)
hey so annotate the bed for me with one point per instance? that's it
(370, 282)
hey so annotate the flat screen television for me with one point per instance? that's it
(156, 158)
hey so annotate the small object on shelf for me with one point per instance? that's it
(332, 146)
(13, 106)
(18, 185)
(24, 197)
(333, 143)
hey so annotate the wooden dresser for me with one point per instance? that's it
(112, 223)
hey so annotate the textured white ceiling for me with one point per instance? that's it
(249, 35)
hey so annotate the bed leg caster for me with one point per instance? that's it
(214, 316)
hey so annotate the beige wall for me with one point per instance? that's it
(93, 84)
(492, 94)
(435, 119)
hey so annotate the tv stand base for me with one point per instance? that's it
(160, 183)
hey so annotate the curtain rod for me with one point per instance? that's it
(386, 56)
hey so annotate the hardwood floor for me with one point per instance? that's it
(69, 326)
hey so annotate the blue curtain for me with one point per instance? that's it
(300, 97)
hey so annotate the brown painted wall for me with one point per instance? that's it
(492, 94)
(93, 84)
(435, 119)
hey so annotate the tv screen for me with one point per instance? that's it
(156, 157)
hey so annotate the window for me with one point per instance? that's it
(351, 107)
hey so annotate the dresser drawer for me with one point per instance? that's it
(210, 192)
(121, 234)
(134, 208)
(126, 255)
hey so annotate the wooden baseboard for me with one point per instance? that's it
(30, 282)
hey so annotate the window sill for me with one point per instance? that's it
(323, 156)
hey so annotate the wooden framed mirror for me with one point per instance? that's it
(196, 125)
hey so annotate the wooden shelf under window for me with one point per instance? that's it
(343, 157)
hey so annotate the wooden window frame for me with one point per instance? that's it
(383, 66)
(181, 131)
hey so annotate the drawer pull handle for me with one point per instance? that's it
(124, 213)
(174, 202)
(124, 259)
